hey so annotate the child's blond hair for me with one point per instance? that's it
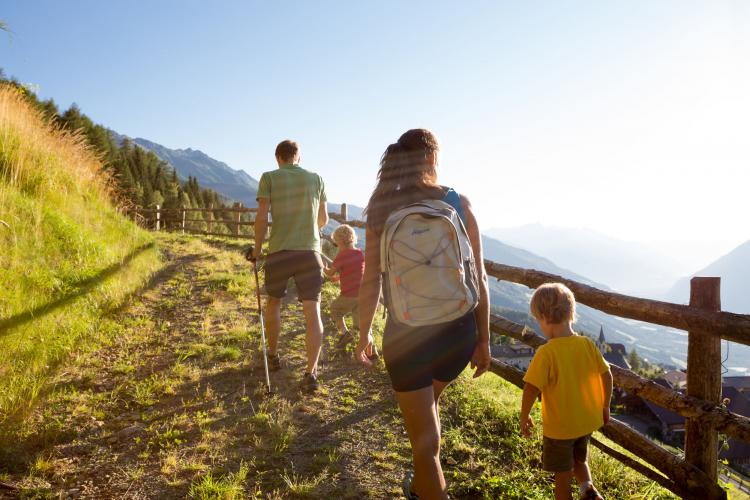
(345, 234)
(554, 303)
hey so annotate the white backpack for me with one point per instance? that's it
(429, 273)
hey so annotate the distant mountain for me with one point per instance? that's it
(734, 271)
(655, 343)
(502, 253)
(234, 184)
(626, 266)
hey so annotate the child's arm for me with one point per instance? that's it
(607, 383)
(530, 393)
(330, 271)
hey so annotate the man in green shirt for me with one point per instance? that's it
(297, 201)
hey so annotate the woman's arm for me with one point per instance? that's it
(369, 292)
(481, 358)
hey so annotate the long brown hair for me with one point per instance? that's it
(405, 176)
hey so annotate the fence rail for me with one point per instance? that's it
(695, 475)
(730, 326)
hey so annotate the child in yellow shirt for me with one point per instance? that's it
(576, 387)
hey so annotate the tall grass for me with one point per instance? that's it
(61, 246)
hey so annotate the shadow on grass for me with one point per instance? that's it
(15, 452)
(82, 287)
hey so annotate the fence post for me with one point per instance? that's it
(703, 378)
(344, 214)
(158, 218)
(239, 216)
(183, 220)
(210, 217)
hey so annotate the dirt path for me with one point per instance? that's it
(175, 406)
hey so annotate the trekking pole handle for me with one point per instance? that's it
(250, 254)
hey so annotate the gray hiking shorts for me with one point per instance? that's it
(558, 454)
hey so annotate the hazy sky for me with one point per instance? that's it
(630, 118)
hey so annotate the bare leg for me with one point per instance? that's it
(273, 323)
(423, 427)
(341, 325)
(313, 333)
(562, 485)
(437, 389)
(582, 473)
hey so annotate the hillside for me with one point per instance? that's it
(734, 270)
(626, 266)
(67, 255)
(234, 184)
(175, 406)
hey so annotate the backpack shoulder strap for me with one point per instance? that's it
(453, 199)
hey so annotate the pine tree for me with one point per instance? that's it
(634, 360)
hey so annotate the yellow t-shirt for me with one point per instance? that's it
(568, 372)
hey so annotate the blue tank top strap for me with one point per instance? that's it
(452, 199)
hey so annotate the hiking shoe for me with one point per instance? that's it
(406, 486)
(344, 340)
(310, 383)
(591, 494)
(374, 355)
(274, 362)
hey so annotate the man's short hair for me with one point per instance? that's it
(345, 234)
(554, 303)
(287, 150)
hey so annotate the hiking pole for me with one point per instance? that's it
(249, 256)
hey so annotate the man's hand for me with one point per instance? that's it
(605, 415)
(526, 425)
(364, 347)
(481, 358)
(250, 254)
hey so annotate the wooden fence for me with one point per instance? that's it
(222, 221)
(692, 476)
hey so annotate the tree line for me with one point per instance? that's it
(141, 178)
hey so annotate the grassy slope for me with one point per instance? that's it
(66, 254)
(174, 406)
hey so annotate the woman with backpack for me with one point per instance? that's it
(423, 248)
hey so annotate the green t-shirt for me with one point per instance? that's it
(295, 195)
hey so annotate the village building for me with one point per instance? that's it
(741, 383)
(676, 378)
(671, 425)
(516, 354)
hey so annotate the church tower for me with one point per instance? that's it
(602, 342)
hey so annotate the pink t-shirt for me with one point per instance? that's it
(350, 263)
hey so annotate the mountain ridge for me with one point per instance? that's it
(234, 184)
(734, 271)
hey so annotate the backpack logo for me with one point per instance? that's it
(415, 232)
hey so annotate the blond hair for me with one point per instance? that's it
(345, 234)
(554, 303)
